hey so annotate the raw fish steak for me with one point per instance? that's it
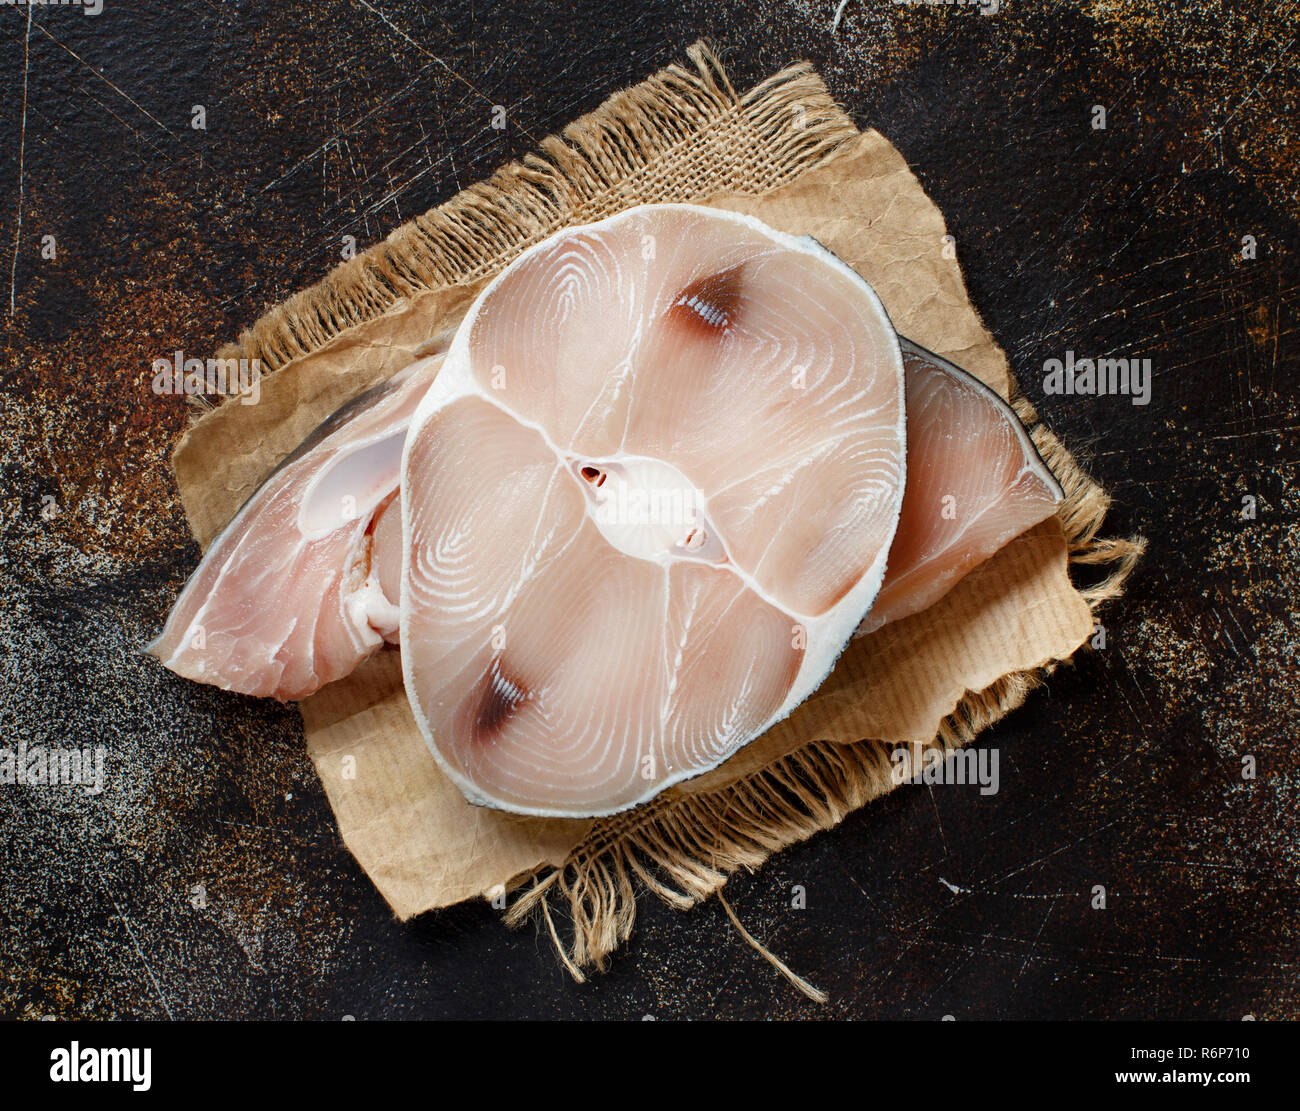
(974, 483)
(303, 584)
(645, 504)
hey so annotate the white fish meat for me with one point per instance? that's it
(645, 504)
(974, 483)
(303, 584)
(631, 524)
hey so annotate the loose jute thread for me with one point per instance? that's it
(682, 135)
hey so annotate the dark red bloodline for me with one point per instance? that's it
(502, 696)
(709, 306)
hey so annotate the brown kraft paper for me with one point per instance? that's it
(420, 842)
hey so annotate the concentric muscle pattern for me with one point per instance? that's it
(649, 337)
(644, 505)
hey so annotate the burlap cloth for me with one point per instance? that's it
(785, 152)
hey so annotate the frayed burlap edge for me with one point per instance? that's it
(601, 163)
(683, 849)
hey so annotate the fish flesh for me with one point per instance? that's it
(303, 584)
(974, 483)
(631, 524)
(644, 505)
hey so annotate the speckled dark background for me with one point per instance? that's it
(350, 116)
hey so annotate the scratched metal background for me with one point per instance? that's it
(349, 116)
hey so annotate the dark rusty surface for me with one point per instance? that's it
(349, 116)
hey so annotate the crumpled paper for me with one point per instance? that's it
(418, 839)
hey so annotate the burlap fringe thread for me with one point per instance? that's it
(618, 155)
(684, 849)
